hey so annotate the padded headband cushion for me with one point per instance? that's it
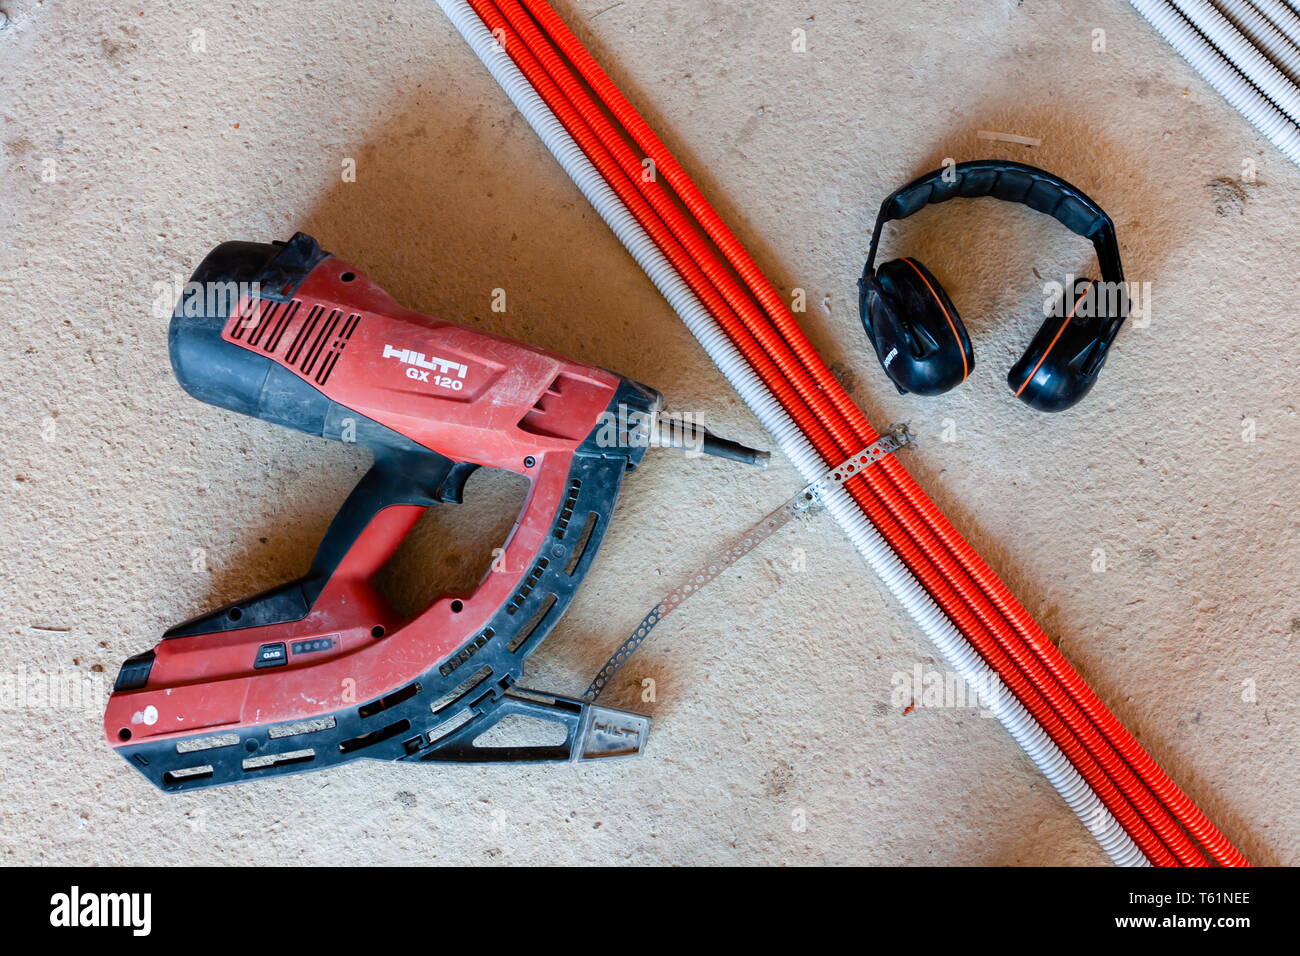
(1010, 182)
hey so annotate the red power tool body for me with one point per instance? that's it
(321, 670)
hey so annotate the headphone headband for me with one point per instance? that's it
(1010, 182)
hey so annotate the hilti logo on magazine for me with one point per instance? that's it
(76, 909)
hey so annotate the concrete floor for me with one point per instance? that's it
(1152, 529)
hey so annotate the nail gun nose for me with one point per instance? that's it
(697, 439)
(724, 448)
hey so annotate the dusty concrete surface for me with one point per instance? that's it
(1152, 529)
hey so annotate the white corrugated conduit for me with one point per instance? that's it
(1267, 38)
(1222, 56)
(1282, 16)
(1249, 62)
(952, 645)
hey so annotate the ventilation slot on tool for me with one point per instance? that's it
(566, 510)
(580, 546)
(195, 744)
(313, 347)
(262, 323)
(268, 761)
(461, 689)
(374, 737)
(298, 727)
(521, 595)
(532, 624)
(466, 652)
(172, 777)
(318, 343)
(309, 326)
(451, 723)
(392, 700)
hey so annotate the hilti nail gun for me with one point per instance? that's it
(320, 671)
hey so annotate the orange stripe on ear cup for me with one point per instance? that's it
(1043, 357)
(965, 369)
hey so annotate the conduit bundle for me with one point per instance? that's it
(1248, 51)
(1137, 814)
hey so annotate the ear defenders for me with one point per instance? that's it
(914, 326)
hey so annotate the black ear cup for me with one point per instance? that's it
(1063, 359)
(918, 335)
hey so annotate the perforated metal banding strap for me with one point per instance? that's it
(808, 498)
